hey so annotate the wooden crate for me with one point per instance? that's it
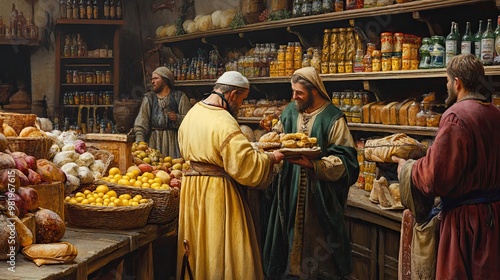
(118, 144)
(51, 196)
(29, 221)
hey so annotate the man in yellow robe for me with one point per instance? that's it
(213, 215)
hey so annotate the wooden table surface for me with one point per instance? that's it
(96, 247)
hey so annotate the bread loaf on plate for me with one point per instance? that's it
(399, 144)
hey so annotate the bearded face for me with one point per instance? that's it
(452, 93)
(157, 83)
(302, 97)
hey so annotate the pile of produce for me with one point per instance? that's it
(102, 196)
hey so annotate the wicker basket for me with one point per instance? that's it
(18, 121)
(121, 217)
(166, 202)
(105, 156)
(39, 147)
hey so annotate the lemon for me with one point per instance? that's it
(149, 175)
(117, 202)
(85, 201)
(134, 203)
(136, 172)
(111, 204)
(144, 200)
(137, 184)
(145, 185)
(95, 195)
(123, 182)
(146, 160)
(72, 201)
(144, 179)
(113, 181)
(125, 196)
(92, 203)
(126, 177)
(155, 185)
(99, 200)
(87, 192)
(158, 180)
(125, 202)
(80, 198)
(98, 204)
(138, 196)
(106, 200)
(111, 194)
(91, 199)
(114, 170)
(151, 181)
(131, 175)
(117, 177)
(102, 189)
(67, 198)
(79, 194)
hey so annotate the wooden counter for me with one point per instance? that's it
(374, 237)
(96, 248)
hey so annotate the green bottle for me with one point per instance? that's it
(451, 43)
(477, 40)
(487, 45)
(496, 59)
(466, 44)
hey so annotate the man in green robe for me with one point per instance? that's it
(305, 235)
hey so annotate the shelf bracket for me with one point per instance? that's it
(352, 23)
(204, 41)
(416, 16)
(371, 87)
(301, 38)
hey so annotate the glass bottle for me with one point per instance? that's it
(62, 9)
(376, 61)
(82, 11)
(69, 10)
(76, 10)
(306, 62)
(306, 8)
(358, 62)
(367, 59)
(119, 9)
(106, 9)
(316, 60)
(13, 21)
(296, 8)
(451, 43)
(477, 40)
(487, 44)
(112, 9)
(316, 7)
(327, 6)
(496, 59)
(466, 43)
(89, 10)
(339, 5)
(95, 9)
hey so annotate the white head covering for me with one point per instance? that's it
(165, 73)
(233, 78)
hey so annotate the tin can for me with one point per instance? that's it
(324, 68)
(349, 66)
(386, 42)
(341, 67)
(406, 64)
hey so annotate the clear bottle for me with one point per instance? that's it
(296, 8)
(477, 40)
(82, 10)
(95, 9)
(358, 62)
(327, 6)
(451, 44)
(367, 59)
(119, 9)
(112, 9)
(89, 10)
(496, 59)
(339, 5)
(316, 7)
(306, 8)
(425, 57)
(437, 50)
(62, 9)
(76, 10)
(69, 9)
(487, 44)
(466, 43)
(106, 9)
(306, 62)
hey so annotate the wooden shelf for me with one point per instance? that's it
(86, 85)
(90, 21)
(408, 7)
(364, 76)
(85, 105)
(249, 120)
(416, 130)
(19, 42)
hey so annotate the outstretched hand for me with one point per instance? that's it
(400, 163)
(302, 161)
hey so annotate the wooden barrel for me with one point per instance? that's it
(124, 112)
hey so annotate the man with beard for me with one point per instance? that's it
(161, 113)
(214, 217)
(305, 235)
(462, 167)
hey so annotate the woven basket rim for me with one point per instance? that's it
(171, 190)
(111, 208)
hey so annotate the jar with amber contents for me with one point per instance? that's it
(342, 46)
(386, 62)
(325, 53)
(376, 61)
(336, 99)
(356, 108)
(351, 45)
(297, 56)
(433, 118)
(334, 41)
(386, 43)
(396, 62)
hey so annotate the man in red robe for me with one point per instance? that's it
(463, 168)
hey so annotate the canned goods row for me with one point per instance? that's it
(88, 98)
(88, 77)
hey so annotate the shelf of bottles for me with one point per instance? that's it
(19, 30)
(90, 10)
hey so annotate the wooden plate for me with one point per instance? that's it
(297, 152)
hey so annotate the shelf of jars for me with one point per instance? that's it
(90, 21)
(408, 7)
(86, 85)
(361, 76)
(415, 130)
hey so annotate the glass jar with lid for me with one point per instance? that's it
(334, 37)
(436, 51)
(425, 57)
(336, 98)
(325, 53)
(316, 60)
(356, 108)
(342, 45)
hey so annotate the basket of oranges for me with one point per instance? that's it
(149, 185)
(106, 208)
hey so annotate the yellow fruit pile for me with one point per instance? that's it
(133, 178)
(102, 196)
